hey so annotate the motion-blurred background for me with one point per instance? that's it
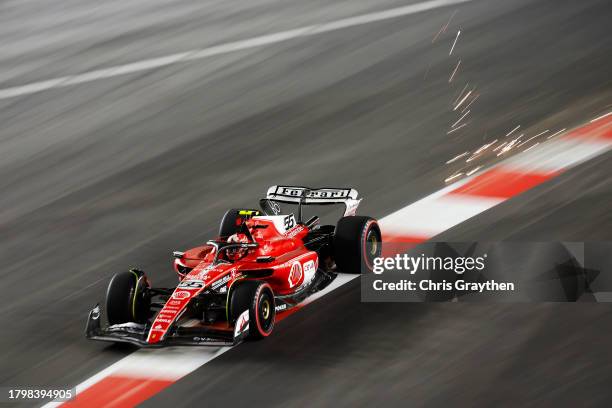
(114, 150)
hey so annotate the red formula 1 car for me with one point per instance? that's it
(229, 289)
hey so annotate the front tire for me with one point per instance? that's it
(258, 298)
(127, 298)
(357, 241)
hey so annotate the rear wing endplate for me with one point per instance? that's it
(321, 196)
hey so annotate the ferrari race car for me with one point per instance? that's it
(230, 289)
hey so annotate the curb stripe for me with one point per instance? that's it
(557, 155)
(501, 183)
(600, 128)
(434, 214)
(119, 392)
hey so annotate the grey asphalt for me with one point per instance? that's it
(118, 172)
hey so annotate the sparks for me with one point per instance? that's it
(454, 72)
(461, 93)
(469, 173)
(508, 147)
(486, 146)
(532, 137)
(437, 35)
(500, 146)
(449, 21)
(556, 133)
(471, 102)
(454, 176)
(513, 130)
(480, 150)
(457, 128)
(454, 43)
(460, 119)
(462, 100)
(457, 157)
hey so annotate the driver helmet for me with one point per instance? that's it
(235, 254)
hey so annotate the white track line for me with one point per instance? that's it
(197, 54)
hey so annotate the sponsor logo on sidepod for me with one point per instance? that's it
(295, 274)
(181, 294)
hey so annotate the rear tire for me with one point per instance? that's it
(127, 298)
(258, 298)
(357, 241)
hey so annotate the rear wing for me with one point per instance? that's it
(320, 196)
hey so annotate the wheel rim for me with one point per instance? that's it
(266, 312)
(372, 245)
(265, 309)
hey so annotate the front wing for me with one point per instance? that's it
(136, 333)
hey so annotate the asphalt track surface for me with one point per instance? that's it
(118, 172)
